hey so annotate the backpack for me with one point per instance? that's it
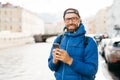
(85, 40)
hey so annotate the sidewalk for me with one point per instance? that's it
(14, 39)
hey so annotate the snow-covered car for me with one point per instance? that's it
(112, 53)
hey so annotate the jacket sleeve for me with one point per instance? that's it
(51, 65)
(89, 66)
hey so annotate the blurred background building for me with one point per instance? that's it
(106, 21)
(17, 19)
(18, 25)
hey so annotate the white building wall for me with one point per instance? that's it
(113, 17)
(32, 22)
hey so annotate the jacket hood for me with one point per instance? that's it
(79, 32)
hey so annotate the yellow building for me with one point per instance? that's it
(17, 19)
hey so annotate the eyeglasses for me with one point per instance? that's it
(71, 19)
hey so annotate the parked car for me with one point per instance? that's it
(112, 53)
(102, 46)
(98, 38)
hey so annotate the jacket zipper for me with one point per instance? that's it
(64, 64)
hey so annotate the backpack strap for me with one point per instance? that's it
(61, 37)
(85, 41)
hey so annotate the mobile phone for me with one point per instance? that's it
(56, 45)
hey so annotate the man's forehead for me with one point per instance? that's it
(69, 15)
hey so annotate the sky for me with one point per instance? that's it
(86, 7)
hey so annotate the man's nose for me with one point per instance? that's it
(70, 21)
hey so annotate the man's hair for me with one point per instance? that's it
(71, 10)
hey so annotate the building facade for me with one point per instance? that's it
(18, 19)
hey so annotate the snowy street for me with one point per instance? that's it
(29, 62)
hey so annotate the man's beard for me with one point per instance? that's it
(72, 30)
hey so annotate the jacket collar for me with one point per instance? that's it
(79, 32)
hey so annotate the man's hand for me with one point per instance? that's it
(62, 55)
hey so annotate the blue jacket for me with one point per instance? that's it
(85, 59)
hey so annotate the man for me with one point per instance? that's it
(73, 61)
